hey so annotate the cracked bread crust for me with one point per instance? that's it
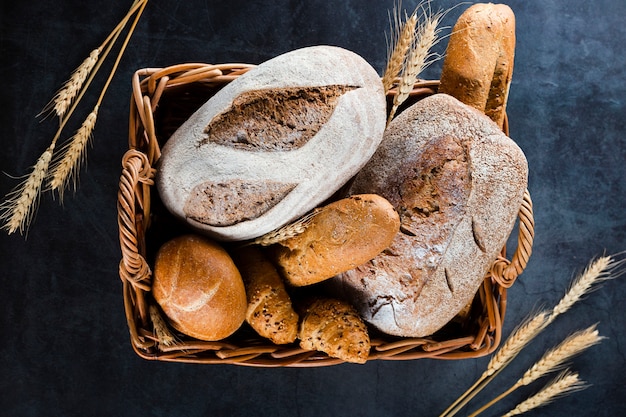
(457, 182)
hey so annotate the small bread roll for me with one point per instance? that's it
(270, 312)
(341, 236)
(333, 326)
(199, 288)
(478, 66)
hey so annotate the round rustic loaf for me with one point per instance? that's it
(478, 66)
(273, 144)
(199, 288)
(457, 183)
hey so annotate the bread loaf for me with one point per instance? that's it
(273, 144)
(334, 327)
(478, 65)
(457, 183)
(199, 288)
(339, 237)
(270, 312)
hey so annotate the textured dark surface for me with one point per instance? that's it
(65, 348)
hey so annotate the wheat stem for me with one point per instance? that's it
(64, 98)
(17, 210)
(551, 361)
(601, 269)
(519, 338)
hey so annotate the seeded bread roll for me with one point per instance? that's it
(199, 288)
(335, 328)
(270, 312)
(478, 66)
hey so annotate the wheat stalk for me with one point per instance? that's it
(603, 268)
(18, 209)
(419, 57)
(551, 361)
(66, 167)
(402, 38)
(563, 384)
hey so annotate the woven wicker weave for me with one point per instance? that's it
(162, 99)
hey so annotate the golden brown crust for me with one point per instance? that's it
(270, 312)
(333, 326)
(199, 288)
(478, 66)
(342, 236)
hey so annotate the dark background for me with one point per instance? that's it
(64, 344)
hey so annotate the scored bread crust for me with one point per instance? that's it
(478, 66)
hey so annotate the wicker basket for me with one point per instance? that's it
(162, 99)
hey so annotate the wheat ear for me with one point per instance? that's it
(19, 207)
(601, 269)
(161, 330)
(402, 38)
(64, 98)
(521, 336)
(562, 385)
(419, 57)
(286, 232)
(65, 169)
(551, 361)
(597, 271)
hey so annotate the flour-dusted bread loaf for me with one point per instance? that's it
(339, 237)
(478, 65)
(199, 288)
(457, 183)
(270, 312)
(334, 327)
(273, 144)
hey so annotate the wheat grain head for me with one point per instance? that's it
(554, 359)
(419, 57)
(19, 206)
(519, 338)
(65, 169)
(402, 38)
(64, 98)
(566, 383)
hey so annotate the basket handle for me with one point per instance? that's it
(136, 178)
(505, 272)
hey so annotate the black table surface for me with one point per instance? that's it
(65, 348)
